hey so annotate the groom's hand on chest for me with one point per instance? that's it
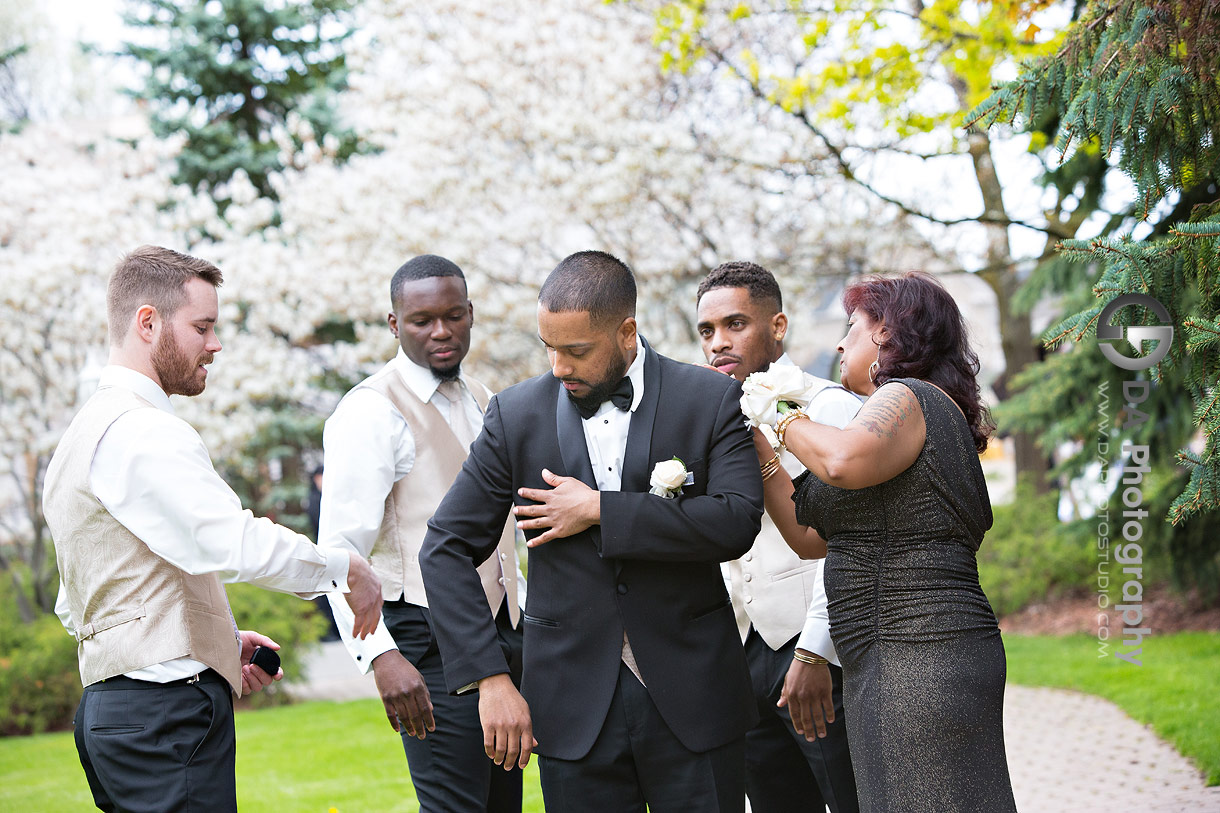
(566, 508)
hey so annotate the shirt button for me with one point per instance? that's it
(748, 557)
(359, 657)
(749, 599)
(500, 580)
(622, 589)
(749, 577)
(503, 557)
(607, 420)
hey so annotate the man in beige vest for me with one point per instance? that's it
(393, 447)
(144, 531)
(796, 757)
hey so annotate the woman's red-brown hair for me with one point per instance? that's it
(925, 338)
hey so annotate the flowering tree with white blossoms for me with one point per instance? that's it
(73, 203)
(508, 136)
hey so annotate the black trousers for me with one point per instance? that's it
(784, 771)
(152, 747)
(637, 763)
(449, 769)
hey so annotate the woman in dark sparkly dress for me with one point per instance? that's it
(897, 504)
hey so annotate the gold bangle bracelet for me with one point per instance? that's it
(815, 660)
(768, 468)
(782, 427)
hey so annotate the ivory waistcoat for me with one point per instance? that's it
(130, 608)
(414, 498)
(771, 587)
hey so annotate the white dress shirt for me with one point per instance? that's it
(606, 439)
(836, 407)
(606, 431)
(152, 472)
(368, 447)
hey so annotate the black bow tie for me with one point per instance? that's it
(622, 396)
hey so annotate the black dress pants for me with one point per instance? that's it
(153, 747)
(784, 771)
(449, 769)
(638, 763)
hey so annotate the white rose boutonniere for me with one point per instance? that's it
(766, 396)
(667, 478)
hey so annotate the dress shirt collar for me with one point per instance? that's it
(420, 380)
(635, 372)
(114, 375)
(783, 359)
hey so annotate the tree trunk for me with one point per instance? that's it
(1016, 339)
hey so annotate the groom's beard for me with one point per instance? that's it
(600, 392)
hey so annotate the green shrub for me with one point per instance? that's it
(39, 682)
(1029, 555)
(39, 678)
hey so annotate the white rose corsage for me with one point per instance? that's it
(767, 395)
(668, 477)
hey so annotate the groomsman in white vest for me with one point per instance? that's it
(796, 757)
(145, 530)
(393, 447)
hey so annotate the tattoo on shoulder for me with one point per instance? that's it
(888, 411)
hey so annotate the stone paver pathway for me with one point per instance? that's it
(1067, 752)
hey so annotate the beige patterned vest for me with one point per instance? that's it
(130, 608)
(414, 499)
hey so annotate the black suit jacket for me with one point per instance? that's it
(651, 567)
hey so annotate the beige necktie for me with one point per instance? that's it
(458, 421)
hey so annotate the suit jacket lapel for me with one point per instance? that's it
(636, 468)
(571, 435)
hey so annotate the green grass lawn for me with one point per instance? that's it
(312, 758)
(1174, 690)
(343, 756)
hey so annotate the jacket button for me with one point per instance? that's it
(622, 589)
(503, 557)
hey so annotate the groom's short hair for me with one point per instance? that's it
(761, 284)
(422, 267)
(151, 275)
(594, 282)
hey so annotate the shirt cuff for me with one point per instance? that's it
(815, 638)
(338, 560)
(368, 650)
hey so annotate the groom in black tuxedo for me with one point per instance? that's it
(635, 689)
